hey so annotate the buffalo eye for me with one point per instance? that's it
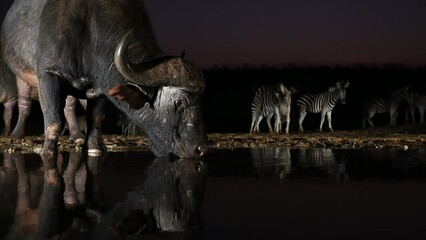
(178, 104)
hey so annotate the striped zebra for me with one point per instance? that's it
(384, 105)
(323, 103)
(271, 101)
(416, 101)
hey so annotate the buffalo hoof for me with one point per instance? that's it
(78, 141)
(94, 152)
(18, 135)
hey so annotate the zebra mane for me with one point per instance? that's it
(332, 88)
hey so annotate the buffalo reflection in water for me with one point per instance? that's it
(63, 200)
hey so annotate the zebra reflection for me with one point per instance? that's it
(325, 159)
(272, 162)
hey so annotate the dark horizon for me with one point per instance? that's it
(305, 32)
(278, 32)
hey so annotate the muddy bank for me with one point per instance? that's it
(373, 138)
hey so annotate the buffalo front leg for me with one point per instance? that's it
(52, 101)
(94, 116)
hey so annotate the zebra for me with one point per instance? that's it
(384, 105)
(411, 107)
(414, 101)
(271, 101)
(323, 103)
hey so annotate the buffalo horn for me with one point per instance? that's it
(162, 71)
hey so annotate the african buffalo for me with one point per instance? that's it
(105, 49)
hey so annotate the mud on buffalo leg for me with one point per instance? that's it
(52, 101)
(7, 115)
(70, 116)
(94, 115)
(24, 105)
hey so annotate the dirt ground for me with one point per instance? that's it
(396, 137)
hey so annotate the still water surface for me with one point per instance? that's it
(276, 193)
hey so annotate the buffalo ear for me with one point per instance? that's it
(133, 94)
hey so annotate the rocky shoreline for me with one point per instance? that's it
(336, 140)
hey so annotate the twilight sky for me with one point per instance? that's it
(290, 31)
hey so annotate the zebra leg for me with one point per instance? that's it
(408, 111)
(329, 121)
(392, 115)
(322, 120)
(256, 126)
(422, 115)
(278, 123)
(369, 117)
(287, 126)
(253, 120)
(268, 121)
(302, 116)
(406, 115)
(413, 113)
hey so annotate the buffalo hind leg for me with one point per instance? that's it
(7, 115)
(71, 118)
(24, 107)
